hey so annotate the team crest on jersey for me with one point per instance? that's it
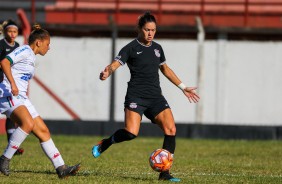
(133, 105)
(157, 52)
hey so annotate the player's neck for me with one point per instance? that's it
(10, 42)
(144, 42)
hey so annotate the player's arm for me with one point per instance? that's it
(189, 92)
(109, 70)
(6, 67)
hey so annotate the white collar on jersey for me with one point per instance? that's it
(143, 44)
(11, 45)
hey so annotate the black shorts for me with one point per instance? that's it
(149, 107)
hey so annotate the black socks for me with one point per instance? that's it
(119, 136)
(169, 143)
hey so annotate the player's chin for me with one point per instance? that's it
(149, 39)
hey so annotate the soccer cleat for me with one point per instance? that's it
(96, 150)
(168, 177)
(4, 165)
(64, 171)
(19, 151)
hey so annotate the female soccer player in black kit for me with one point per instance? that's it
(7, 45)
(144, 58)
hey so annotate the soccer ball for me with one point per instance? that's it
(161, 160)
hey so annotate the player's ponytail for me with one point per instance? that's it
(145, 18)
(37, 34)
(36, 27)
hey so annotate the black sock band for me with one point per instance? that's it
(169, 143)
(119, 136)
(123, 135)
(9, 125)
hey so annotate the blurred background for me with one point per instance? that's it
(230, 49)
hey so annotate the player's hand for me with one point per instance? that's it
(190, 93)
(14, 90)
(104, 74)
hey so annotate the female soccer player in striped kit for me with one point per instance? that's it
(145, 58)
(18, 68)
(7, 45)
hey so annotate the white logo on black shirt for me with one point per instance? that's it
(139, 52)
(133, 105)
(7, 50)
(157, 52)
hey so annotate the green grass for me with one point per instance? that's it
(196, 161)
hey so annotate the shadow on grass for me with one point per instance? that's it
(80, 173)
(86, 173)
(116, 175)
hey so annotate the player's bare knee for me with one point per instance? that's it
(45, 131)
(170, 130)
(28, 125)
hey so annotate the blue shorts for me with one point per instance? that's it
(149, 107)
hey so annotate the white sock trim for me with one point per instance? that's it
(22, 131)
(10, 131)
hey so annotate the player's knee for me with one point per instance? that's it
(170, 130)
(45, 131)
(28, 125)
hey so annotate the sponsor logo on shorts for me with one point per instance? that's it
(133, 105)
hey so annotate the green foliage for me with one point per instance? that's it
(196, 161)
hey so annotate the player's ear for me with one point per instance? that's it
(38, 43)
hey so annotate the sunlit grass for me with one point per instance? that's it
(196, 161)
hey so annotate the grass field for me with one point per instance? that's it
(196, 161)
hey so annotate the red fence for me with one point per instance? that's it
(217, 13)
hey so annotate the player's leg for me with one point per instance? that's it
(21, 115)
(160, 113)
(41, 131)
(10, 128)
(131, 130)
(166, 122)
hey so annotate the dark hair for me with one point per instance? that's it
(145, 18)
(37, 33)
(8, 23)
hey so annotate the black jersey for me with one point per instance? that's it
(143, 62)
(6, 48)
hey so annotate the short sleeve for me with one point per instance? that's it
(123, 55)
(162, 58)
(2, 53)
(18, 55)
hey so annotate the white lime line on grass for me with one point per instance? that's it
(235, 175)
